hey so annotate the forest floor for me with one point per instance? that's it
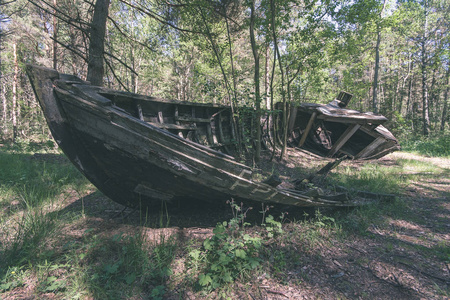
(397, 250)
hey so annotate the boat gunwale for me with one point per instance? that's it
(93, 92)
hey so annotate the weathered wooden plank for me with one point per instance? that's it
(209, 133)
(172, 126)
(307, 129)
(370, 148)
(189, 119)
(292, 117)
(352, 120)
(221, 135)
(343, 139)
(180, 133)
(139, 110)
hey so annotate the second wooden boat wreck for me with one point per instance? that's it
(332, 130)
(139, 150)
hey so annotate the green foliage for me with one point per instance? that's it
(433, 146)
(37, 178)
(370, 177)
(108, 266)
(14, 277)
(230, 254)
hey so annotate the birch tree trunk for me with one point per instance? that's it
(267, 78)
(5, 108)
(377, 62)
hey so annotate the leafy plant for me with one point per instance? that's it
(229, 254)
(12, 279)
(272, 226)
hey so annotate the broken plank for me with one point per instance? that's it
(172, 126)
(307, 129)
(343, 139)
(370, 148)
(188, 119)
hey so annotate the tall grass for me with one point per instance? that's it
(106, 267)
(29, 188)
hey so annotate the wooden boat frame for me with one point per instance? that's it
(136, 158)
(332, 130)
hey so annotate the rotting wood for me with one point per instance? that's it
(328, 167)
(330, 130)
(196, 120)
(139, 110)
(100, 132)
(180, 132)
(307, 129)
(172, 126)
(343, 139)
(370, 148)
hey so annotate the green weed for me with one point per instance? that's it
(28, 242)
(230, 254)
(111, 265)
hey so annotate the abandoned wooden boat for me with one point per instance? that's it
(139, 150)
(332, 130)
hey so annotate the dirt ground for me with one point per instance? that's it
(405, 259)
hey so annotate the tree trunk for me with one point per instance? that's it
(409, 98)
(96, 69)
(255, 50)
(55, 37)
(377, 62)
(445, 108)
(267, 78)
(14, 94)
(283, 93)
(375, 77)
(3, 89)
(5, 108)
(425, 112)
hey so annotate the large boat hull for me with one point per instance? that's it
(136, 162)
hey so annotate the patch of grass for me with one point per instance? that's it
(371, 178)
(358, 220)
(384, 179)
(431, 146)
(109, 266)
(27, 252)
(29, 229)
(36, 181)
(314, 229)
